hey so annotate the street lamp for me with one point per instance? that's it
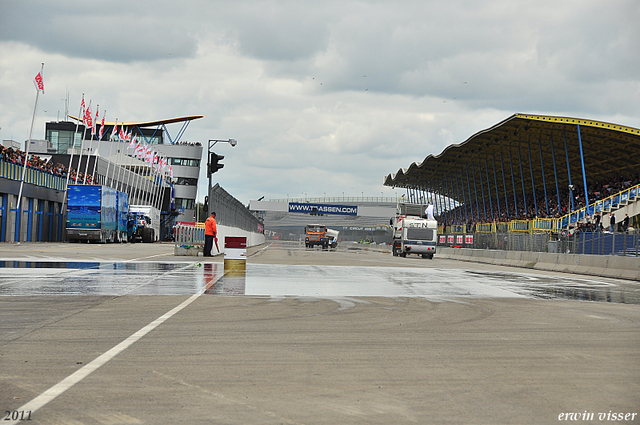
(213, 164)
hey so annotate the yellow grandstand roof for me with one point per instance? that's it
(535, 142)
(147, 123)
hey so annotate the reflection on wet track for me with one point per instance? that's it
(20, 278)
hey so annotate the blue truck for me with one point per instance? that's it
(96, 213)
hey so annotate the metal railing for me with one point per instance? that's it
(12, 171)
(189, 234)
(616, 200)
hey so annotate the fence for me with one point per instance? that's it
(595, 243)
(188, 234)
(600, 244)
(231, 212)
(12, 171)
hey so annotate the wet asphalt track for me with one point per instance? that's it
(52, 276)
(306, 337)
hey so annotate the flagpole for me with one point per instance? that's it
(130, 168)
(26, 154)
(84, 116)
(119, 186)
(95, 163)
(73, 145)
(86, 168)
(135, 186)
(106, 174)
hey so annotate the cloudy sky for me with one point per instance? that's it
(323, 97)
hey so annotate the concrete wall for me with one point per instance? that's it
(594, 265)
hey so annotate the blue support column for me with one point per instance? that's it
(445, 189)
(3, 211)
(533, 184)
(544, 183)
(475, 189)
(524, 194)
(513, 182)
(484, 205)
(566, 152)
(486, 163)
(584, 174)
(443, 200)
(454, 201)
(555, 174)
(504, 184)
(440, 203)
(495, 180)
(469, 189)
(464, 202)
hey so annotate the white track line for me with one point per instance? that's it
(62, 386)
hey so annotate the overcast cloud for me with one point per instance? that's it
(323, 97)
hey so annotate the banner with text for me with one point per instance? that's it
(296, 207)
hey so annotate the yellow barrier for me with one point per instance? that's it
(519, 226)
(458, 228)
(12, 171)
(486, 228)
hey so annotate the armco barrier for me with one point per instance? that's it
(593, 265)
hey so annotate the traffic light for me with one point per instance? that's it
(214, 164)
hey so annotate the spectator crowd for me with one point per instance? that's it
(16, 156)
(494, 213)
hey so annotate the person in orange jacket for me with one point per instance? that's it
(210, 232)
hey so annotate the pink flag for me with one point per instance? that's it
(95, 123)
(39, 82)
(102, 125)
(133, 142)
(83, 108)
(170, 171)
(114, 133)
(139, 150)
(87, 116)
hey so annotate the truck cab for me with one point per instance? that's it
(316, 234)
(413, 231)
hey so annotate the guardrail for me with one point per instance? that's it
(616, 200)
(36, 177)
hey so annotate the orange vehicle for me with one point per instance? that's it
(316, 234)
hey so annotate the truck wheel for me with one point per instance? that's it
(147, 235)
(430, 256)
(395, 251)
(425, 256)
(403, 254)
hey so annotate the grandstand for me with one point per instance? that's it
(531, 167)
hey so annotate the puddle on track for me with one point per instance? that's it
(25, 278)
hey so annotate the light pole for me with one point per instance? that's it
(211, 157)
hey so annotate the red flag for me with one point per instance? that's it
(87, 117)
(102, 125)
(95, 123)
(39, 82)
(115, 129)
(84, 110)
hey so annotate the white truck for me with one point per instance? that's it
(415, 231)
(332, 236)
(151, 221)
